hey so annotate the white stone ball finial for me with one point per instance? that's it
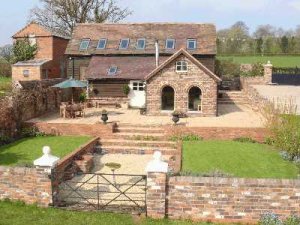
(157, 165)
(47, 160)
(46, 150)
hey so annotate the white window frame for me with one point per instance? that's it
(110, 73)
(138, 86)
(120, 45)
(137, 43)
(170, 39)
(181, 64)
(26, 73)
(191, 40)
(105, 42)
(81, 43)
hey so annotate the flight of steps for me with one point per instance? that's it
(141, 140)
(232, 97)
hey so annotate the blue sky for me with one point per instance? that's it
(281, 13)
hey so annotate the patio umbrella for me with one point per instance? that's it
(71, 83)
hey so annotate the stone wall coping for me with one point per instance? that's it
(236, 181)
(82, 148)
(20, 170)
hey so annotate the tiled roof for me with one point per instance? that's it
(33, 62)
(128, 67)
(205, 34)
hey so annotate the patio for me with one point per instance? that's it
(229, 116)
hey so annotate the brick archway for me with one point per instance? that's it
(167, 98)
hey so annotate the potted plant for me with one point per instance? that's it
(175, 117)
(104, 116)
(82, 97)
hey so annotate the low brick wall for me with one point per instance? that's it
(231, 199)
(219, 133)
(25, 184)
(94, 130)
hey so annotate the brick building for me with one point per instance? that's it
(49, 61)
(167, 66)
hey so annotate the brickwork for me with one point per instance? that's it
(218, 133)
(25, 184)
(182, 83)
(94, 130)
(156, 195)
(231, 199)
(268, 71)
(35, 73)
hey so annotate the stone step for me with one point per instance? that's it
(136, 150)
(137, 143)
(138, 134)
(139, 130)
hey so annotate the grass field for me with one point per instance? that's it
(26, 150)
(249, 160)
(277, 61)
(5, 85)
(19, 214)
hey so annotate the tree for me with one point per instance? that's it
(23, 50)
(284, 44)
(62, 15)
(6, 52)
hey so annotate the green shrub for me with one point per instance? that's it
(245, 140)
(187, 137)
(32, 132)
(82, 97)
(292, 220)
(227, 68)
(126, 89)
(257, 70)
(270, 219)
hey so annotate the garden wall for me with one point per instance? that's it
(95, 130)
(25, 184)
(219, 133)
(231, 199)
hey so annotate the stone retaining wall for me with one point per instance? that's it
(231, 199)
(25, 184)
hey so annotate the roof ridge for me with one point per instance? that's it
(142, 23)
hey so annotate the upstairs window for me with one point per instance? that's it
(84, 44)
(124, 43)
(112, 70)
(181, 66)
(170, 43)
(191, 44)
(102, 43)
(141, 43)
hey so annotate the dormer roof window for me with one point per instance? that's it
(141, 43)
(191, 44)
(170, 43)
(124, 43)
(84, 44)
(102, 43)
(112, 70)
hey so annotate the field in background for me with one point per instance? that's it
(5, 85)
(277, 61)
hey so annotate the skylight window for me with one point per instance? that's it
(170, 43)
(84, 45)
(124, 43)
(102, 43)
(191, 44)
(141, 43)
(112, 70)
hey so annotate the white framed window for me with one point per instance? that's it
(124, 43)
(102, 43)
(191, 44)
(181, 66)
(112, 70)
(84, 44)
(138, 86)
(170, 43)
(141, 43)
(26, 73)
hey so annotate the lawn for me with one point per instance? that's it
(277, 61)
(249, 160)
(24, 151)
(19, 214)
(5, 85)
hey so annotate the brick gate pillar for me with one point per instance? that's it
(156, 187)
(268, 71)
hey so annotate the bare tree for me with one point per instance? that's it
(62, 15)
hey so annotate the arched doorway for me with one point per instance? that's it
(195, 99)
(167, 98)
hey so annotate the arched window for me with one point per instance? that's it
(181, 66)
(195, 99)
(167, 98)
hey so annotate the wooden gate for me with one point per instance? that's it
(286, 76)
